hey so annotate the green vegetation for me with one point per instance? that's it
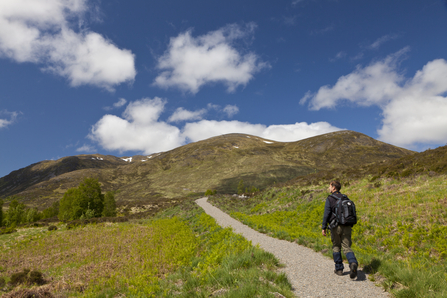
(109, 205)
(86, 201)
(210, 192)
(1, 213)
(181, 252)
(18, 213)
(401, 236)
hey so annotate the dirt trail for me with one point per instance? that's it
(310, 273)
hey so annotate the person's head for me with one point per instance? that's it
(334, 186)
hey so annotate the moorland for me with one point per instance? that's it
(177, 250)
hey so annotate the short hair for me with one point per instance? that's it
(336, 184)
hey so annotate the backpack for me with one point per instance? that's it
(345, 213)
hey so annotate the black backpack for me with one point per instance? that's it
(345, 213)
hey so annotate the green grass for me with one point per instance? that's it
(401, 235)
(182, 252)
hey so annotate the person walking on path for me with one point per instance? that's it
(340, 235)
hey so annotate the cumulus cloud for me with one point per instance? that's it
(140, 129)
(191, 62)
(39, 31)
(10, 118)
(414, 109)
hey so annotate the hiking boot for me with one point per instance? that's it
(353, 273)
(338, 272)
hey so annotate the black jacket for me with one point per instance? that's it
(329, 209)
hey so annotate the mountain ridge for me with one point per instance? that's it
(216, 163)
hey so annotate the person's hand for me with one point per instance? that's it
(323, 232)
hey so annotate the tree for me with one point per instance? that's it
(51, 211)
(31, 215)
(109, 205)
(83, 201)
(70, 205)
(241, 187)
(15, 214)
(93, 199)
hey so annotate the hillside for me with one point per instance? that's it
(216, 163)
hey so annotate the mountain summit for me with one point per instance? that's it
(215, 163)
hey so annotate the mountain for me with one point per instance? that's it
(215, 163)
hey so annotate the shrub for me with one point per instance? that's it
(7, 230)
(19, 277)
(210, 192)
(51, 211)
(109, 205)
(2, 282)
(27, 277)
(52, 228)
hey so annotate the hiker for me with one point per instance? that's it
(340, 234)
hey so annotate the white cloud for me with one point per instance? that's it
(140, 129)
(11, 118)
(413, 109)
(184, 115)
(121, 102)
(374, 84)
(86, 148)
(191, 62)
(283, 133)
(39, 31)
(231, 110)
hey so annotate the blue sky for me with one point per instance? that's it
(137, 77)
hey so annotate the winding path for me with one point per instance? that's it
(311, 274)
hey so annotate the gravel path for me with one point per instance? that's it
(311, 274)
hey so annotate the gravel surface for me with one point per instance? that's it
(310, 273)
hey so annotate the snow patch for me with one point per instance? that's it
(97, 158)
(127, 159)
(236, 147)
(267, 142)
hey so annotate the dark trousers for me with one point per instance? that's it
(341, 239)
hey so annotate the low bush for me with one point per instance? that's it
(27, 277)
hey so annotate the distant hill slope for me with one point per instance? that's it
(216, 163)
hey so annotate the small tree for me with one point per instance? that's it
(93, 199)
(51, 211)
(15, 214)
(31, 215)
(70, 205)
(240, 187)
(109, 205)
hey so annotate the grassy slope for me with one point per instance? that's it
(182, 253)
(216, 163)
(402, 233)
